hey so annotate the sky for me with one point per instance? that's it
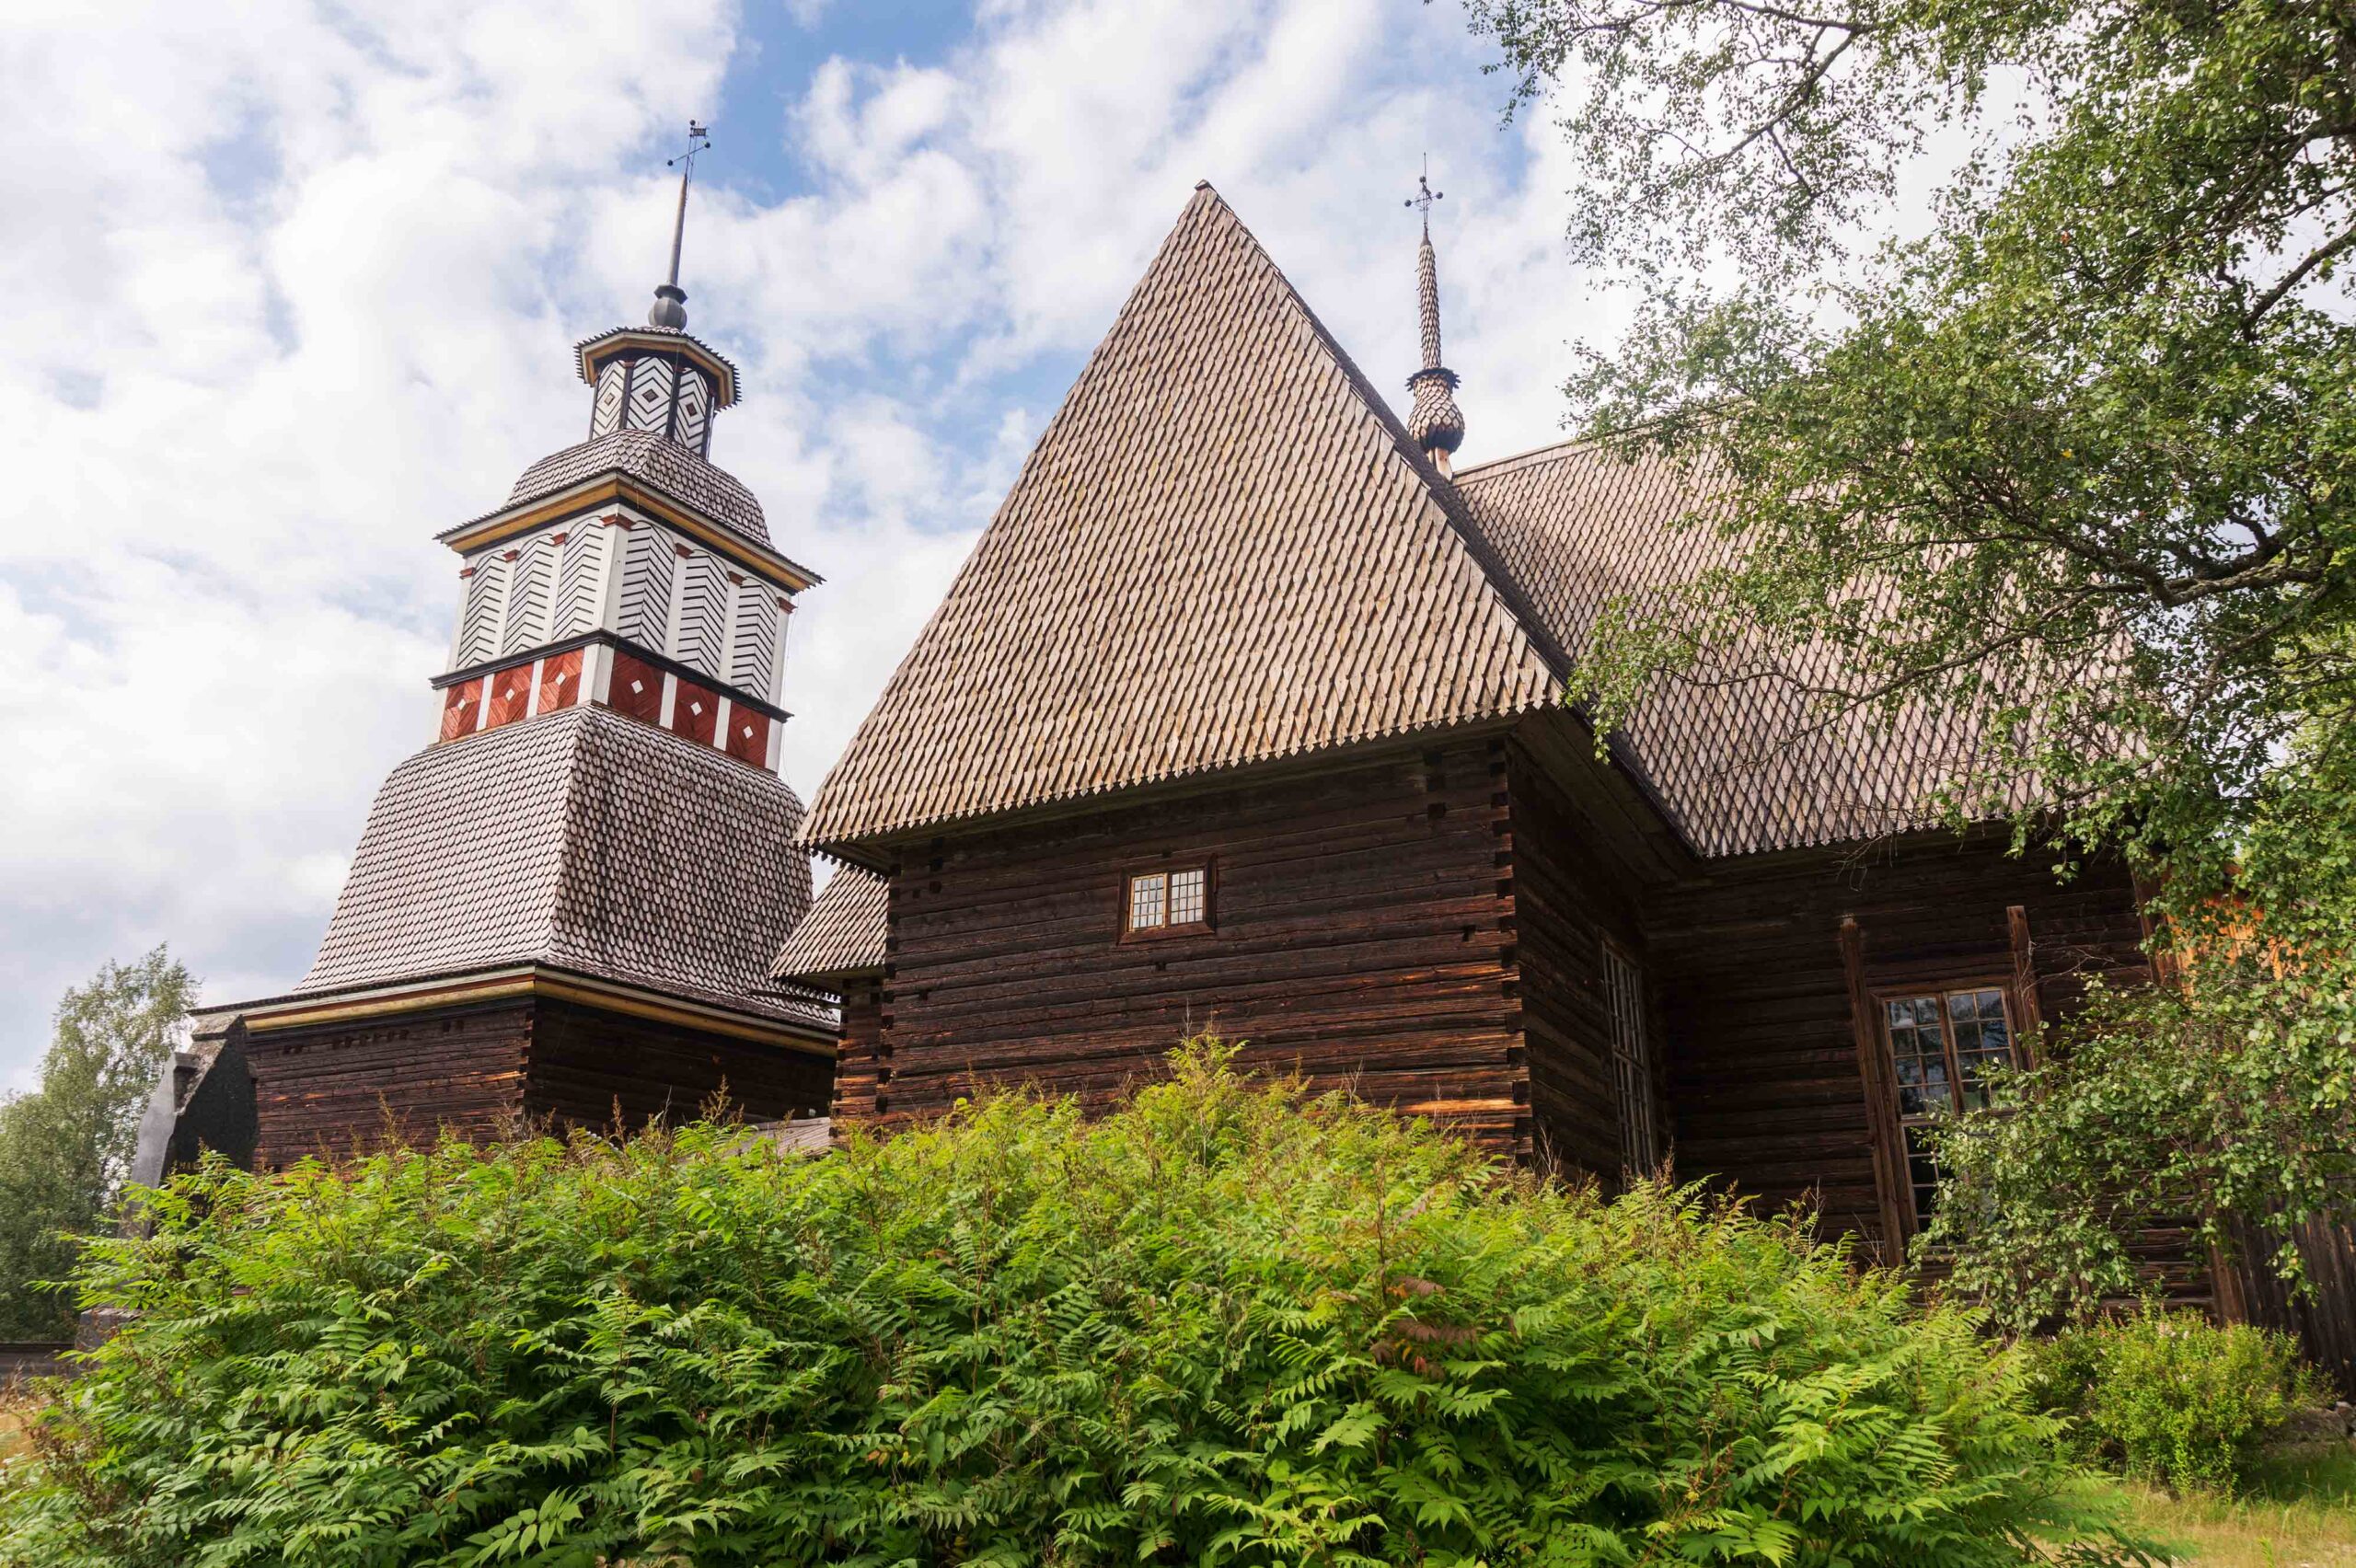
(290, 287)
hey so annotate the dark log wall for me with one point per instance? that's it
(863, 1064)
(585, 1063)
(1360, 934)
(482, 1071)
(1566, 900)
(1767, 1089)
(324, 1089)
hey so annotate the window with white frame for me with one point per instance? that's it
(1632, 1059)
(1170, 900)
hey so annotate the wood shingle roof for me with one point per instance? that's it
(844, 932)
(584, 841)
(1225, 550)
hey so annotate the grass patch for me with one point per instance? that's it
(2298, 1511)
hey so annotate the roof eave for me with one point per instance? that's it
(616, 484)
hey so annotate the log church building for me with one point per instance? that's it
(1246, 714)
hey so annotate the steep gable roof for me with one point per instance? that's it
(1224, 549)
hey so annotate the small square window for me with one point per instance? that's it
(1148, 904)
(1168, 900)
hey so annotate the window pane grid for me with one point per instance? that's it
(1186, 897)
(1147, 904)
(1941, 1048)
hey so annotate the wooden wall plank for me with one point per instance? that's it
(1361, 933)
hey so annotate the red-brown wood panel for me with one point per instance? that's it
(749, 735)
(1360, 933)
(695, 710)
(636, 689)
(461, 708)
(560, 681)
(511, 696)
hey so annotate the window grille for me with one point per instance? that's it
(1149, 904)
(1186, 897)
(1942, 1044)
(1169, 901)
(1631, 1060)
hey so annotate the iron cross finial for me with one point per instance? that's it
(1425, 195)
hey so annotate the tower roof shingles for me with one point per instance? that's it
(584, 841)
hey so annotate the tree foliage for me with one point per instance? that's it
(1224, 1324)
(2075, 456)
(67, 1147)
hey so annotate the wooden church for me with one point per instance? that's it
(1247, 714)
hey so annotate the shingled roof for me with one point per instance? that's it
(843, 934)
(1225, 549)
(584, 841)
(666, 466)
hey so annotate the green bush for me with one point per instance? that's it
(1227, 1324)
(2172, 1398)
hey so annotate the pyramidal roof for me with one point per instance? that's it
(584, 841)
(1224, 549)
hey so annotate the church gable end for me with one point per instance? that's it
(1223, 550)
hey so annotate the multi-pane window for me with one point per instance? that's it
(1631, 1060)
(1160, 900)
(1941, 1045)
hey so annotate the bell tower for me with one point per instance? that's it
(565, 906)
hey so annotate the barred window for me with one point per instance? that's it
(1942, 1044)
(1169, 901)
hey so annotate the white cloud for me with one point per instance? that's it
(289, 288)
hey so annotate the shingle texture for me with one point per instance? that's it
(1739, 758)
(665, 466)
(1223, 549)
(843, 933)
(584, 841)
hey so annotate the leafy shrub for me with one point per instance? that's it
(2170, 1397)
(1227, 1324)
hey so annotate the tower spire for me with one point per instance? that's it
(670, 310)
(1434, 422)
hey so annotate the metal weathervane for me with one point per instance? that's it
(1425, 195)
(670, 301)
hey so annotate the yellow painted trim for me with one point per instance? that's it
(301, 1015)
(540, 983)
(572, 988)
(620, 488)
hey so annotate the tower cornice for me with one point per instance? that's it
(592, 354)
(609, 488)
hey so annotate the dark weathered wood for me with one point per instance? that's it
(332, 1089)
(1566, 899)
(1361, 933)
(1770, 1087)
(585, 1063)
(1881, 1113)
(488, 1070)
